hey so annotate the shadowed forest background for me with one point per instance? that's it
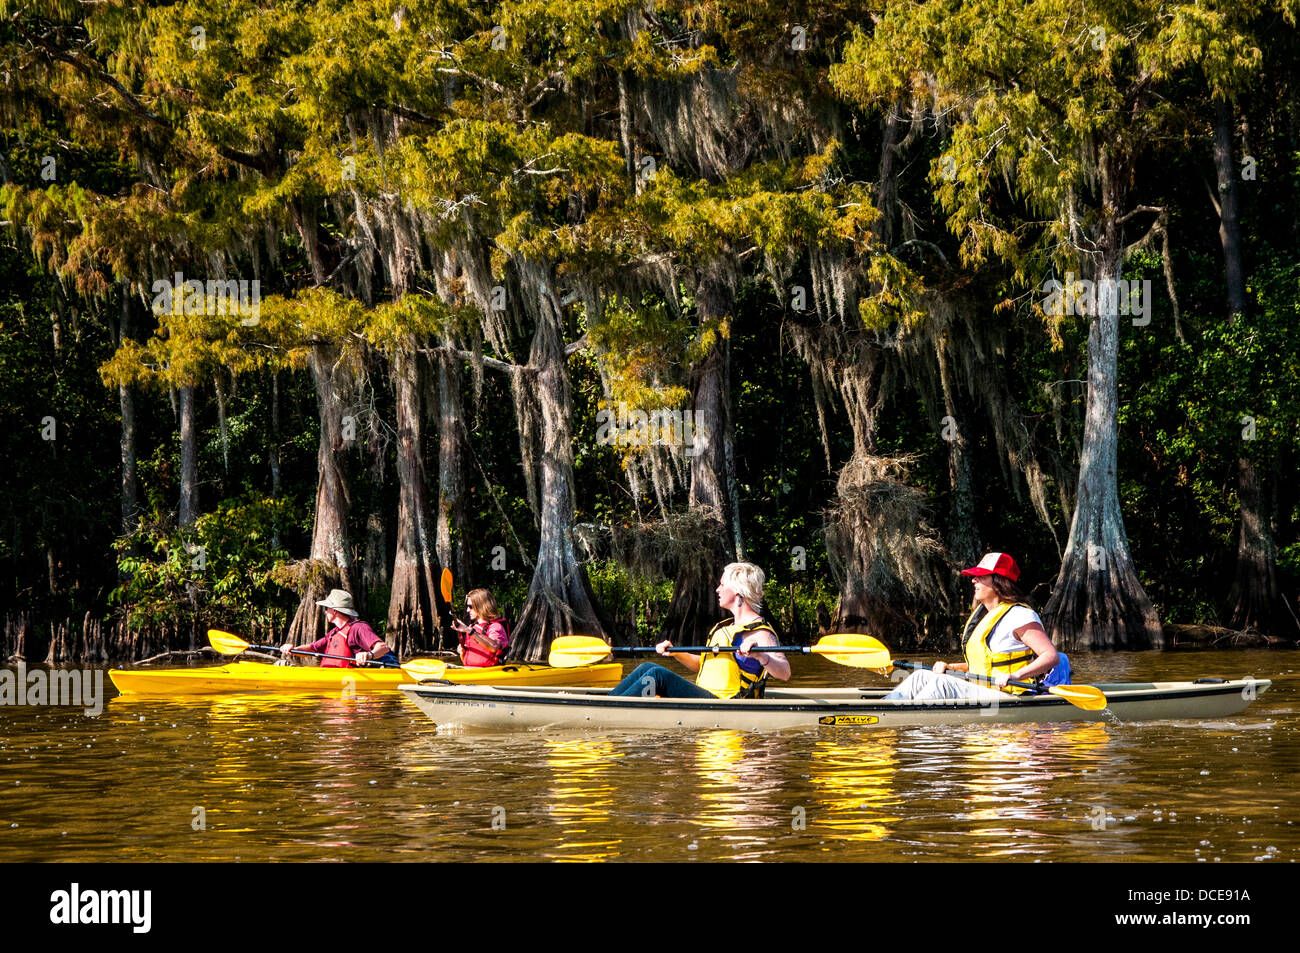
(828, 231)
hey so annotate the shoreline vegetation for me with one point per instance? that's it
(584, 301)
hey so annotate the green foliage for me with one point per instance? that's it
(1231, 390)
(1052, 98)
(637, 606)
(622, 596)
(644, 352)
(221, 567)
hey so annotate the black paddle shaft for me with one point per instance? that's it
(342, 658)
(971, 677)
(645, 649)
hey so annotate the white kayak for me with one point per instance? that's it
(861, 708)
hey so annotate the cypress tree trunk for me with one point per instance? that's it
(375, 559)
(559, 598)
(413, 609)
(1098, 602)
(963, 534)
(887, 185)
(625, 125)
(452, 519)
(273, 452)
(188, 510)
(694, 608)
(1229, 227)
(330, 564)
(222, 423)
(130, 481)
(1254, 600)
(304, 220)
(126, 400)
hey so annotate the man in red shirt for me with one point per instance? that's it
(347, 636)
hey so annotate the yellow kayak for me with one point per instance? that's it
(261, 677)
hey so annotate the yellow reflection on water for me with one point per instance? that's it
(731, 780)
(1083, 738)
(999, 774)
(1009, 774)
(854, 781)
(582, 795)
(249, 741)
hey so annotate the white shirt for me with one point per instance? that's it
(1004, 639)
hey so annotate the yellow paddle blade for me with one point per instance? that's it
(446, 585)
(1081, 696)
(721, 675)
(425, 668)
(225, 643)
(854, 639)
(852, 649)
(572, 651)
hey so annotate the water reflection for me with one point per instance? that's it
(1020, 784)
(245, 760)
(739, 783)
(854, 783)
(582, 796)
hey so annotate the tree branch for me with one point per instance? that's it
(1157, 231)
(261, 163)
(488, 362)
(1218, 211)
(1139, 209)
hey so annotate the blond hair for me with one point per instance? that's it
(745, 580)
(484, 604)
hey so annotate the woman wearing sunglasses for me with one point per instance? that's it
(484, 641)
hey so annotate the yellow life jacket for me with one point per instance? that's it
(979, 634)
(722, 674)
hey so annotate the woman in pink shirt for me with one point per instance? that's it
(485, 641)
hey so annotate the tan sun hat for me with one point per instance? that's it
(340, 600)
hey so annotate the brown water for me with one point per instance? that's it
(370, 778)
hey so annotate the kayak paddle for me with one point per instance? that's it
(424, 668)
(228, 644)
(445, 584)
(844, 648)
(1080, 696)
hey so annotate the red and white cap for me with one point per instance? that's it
(995, 563)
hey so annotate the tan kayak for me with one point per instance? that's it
(853, 708)
(261, 677)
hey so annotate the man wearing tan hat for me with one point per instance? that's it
(347, 638)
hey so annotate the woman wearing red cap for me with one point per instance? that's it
(1003, 640)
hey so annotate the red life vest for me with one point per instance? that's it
(338, 645)
(479, 656)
